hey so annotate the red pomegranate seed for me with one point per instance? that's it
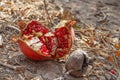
(112, 71)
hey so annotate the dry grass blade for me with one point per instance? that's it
(48, 16)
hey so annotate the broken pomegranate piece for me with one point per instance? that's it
(65, 36)
(38, 43)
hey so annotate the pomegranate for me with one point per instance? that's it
(38, 43)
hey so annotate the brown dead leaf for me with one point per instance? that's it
(117, 54)
(14, 38)
(117, 45)
(8, 2)
(21, 24)
(111, 59)
(24, 11)
(1, 8)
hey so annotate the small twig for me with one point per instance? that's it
(8, 25)
(17, 68)
(104, 17)
(48, 16)
(21, 77)
(14, 27)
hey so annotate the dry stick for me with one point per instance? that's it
(17, 68)
(7, 22)
(14, 27)
(46, 11)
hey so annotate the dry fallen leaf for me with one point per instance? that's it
(14, 38)
(8, 3)
(117, 53)
(21, 24)
(111, 58)
(117, 45)
(1, 8)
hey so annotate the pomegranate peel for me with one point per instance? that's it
(30, 53)
(38, 43)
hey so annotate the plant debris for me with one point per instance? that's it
(101, 43)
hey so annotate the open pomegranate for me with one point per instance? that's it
(39, 43)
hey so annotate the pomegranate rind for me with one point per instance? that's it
(64, 31)
(30, 53)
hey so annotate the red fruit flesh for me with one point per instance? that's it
(50, 41)
(35, 26)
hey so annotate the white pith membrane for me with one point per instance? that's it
(34, 43)
(49, 34)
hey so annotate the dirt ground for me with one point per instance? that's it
(102, 15)
(86, 11)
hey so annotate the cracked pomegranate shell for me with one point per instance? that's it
(38, 43)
